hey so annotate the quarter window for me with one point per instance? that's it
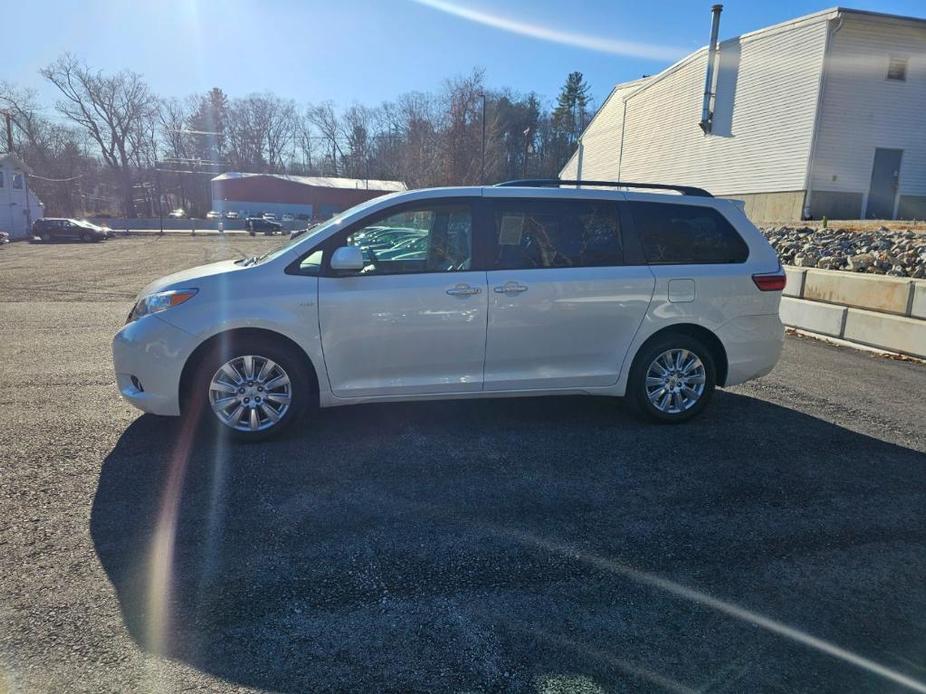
(424, 239)
(17, 181)
(897, 69)
(673, 234)
(1, 179)
(556, 234)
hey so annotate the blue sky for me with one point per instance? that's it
(367, 51)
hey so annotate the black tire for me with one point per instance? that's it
(84, 237)
(44, 236)
(290, 359)
(638, 391)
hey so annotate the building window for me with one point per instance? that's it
(897, 69)
(17, 181)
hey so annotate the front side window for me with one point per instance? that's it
(674, 234)
(1, 179)
(555, 234)
(430, 238)
(17, 181)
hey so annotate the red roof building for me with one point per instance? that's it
(311, 197)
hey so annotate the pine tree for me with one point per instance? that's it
(571, 113)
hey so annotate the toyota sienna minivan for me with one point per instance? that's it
(521, 289)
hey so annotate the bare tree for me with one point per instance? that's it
(115, 110)
(323, 118)
(260, 128)
(56, 152)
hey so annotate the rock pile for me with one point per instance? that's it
(881, 252)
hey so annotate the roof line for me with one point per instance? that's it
(748, 36)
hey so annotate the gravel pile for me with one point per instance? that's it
(881, 252)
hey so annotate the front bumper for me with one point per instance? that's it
(148, 356)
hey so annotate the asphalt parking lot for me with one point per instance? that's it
(778, 543)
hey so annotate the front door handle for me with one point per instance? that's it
(463, 290)
(510, 288)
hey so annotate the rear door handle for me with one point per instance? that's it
(510, 288)
(463, 290)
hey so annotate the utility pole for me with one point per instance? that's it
(482, 174)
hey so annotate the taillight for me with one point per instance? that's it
(772, 282)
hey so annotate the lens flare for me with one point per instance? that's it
(567, 38)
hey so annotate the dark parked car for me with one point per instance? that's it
(53, 229)
(255, 224)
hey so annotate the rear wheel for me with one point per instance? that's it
(44, 236)
(672, 379)
(252, 388)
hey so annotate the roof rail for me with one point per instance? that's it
(547, 182)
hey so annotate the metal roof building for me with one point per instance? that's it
(818, 116)
(312, 196)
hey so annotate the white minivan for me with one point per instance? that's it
(521, 289)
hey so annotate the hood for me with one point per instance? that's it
(186, 279)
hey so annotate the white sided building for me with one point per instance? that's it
(824, 115)
(19, 206)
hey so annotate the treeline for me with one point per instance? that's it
(110, 145)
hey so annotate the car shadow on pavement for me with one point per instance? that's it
(509, 545)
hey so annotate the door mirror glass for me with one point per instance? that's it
(347, 258)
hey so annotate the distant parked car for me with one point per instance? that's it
(288, 218)
(51, 228)
(102, 228)
(179, 213)
(269, 216)
(4, 238)
(231, 215)
(255, 224)
(212, 214)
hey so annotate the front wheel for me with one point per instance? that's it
(672, 379)
(252, 388)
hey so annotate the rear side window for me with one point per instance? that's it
(549, 234)
(673, 234)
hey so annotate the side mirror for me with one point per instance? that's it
(347, 258)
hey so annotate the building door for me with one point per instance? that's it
(885, 179)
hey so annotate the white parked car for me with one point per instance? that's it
(520, 289)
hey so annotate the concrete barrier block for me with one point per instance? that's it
(893, 333)
(918, 307)
(872, 292)
(795, 285)
(825, 319)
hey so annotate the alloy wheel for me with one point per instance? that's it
(250, 393)
(675, 381)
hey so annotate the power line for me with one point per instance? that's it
(56, 180)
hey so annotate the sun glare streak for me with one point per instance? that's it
(727, 608)
(537, 31)
(161, 559)
(642, 673)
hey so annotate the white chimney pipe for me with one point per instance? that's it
(706, 115)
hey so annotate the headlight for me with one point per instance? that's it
(160, 301)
